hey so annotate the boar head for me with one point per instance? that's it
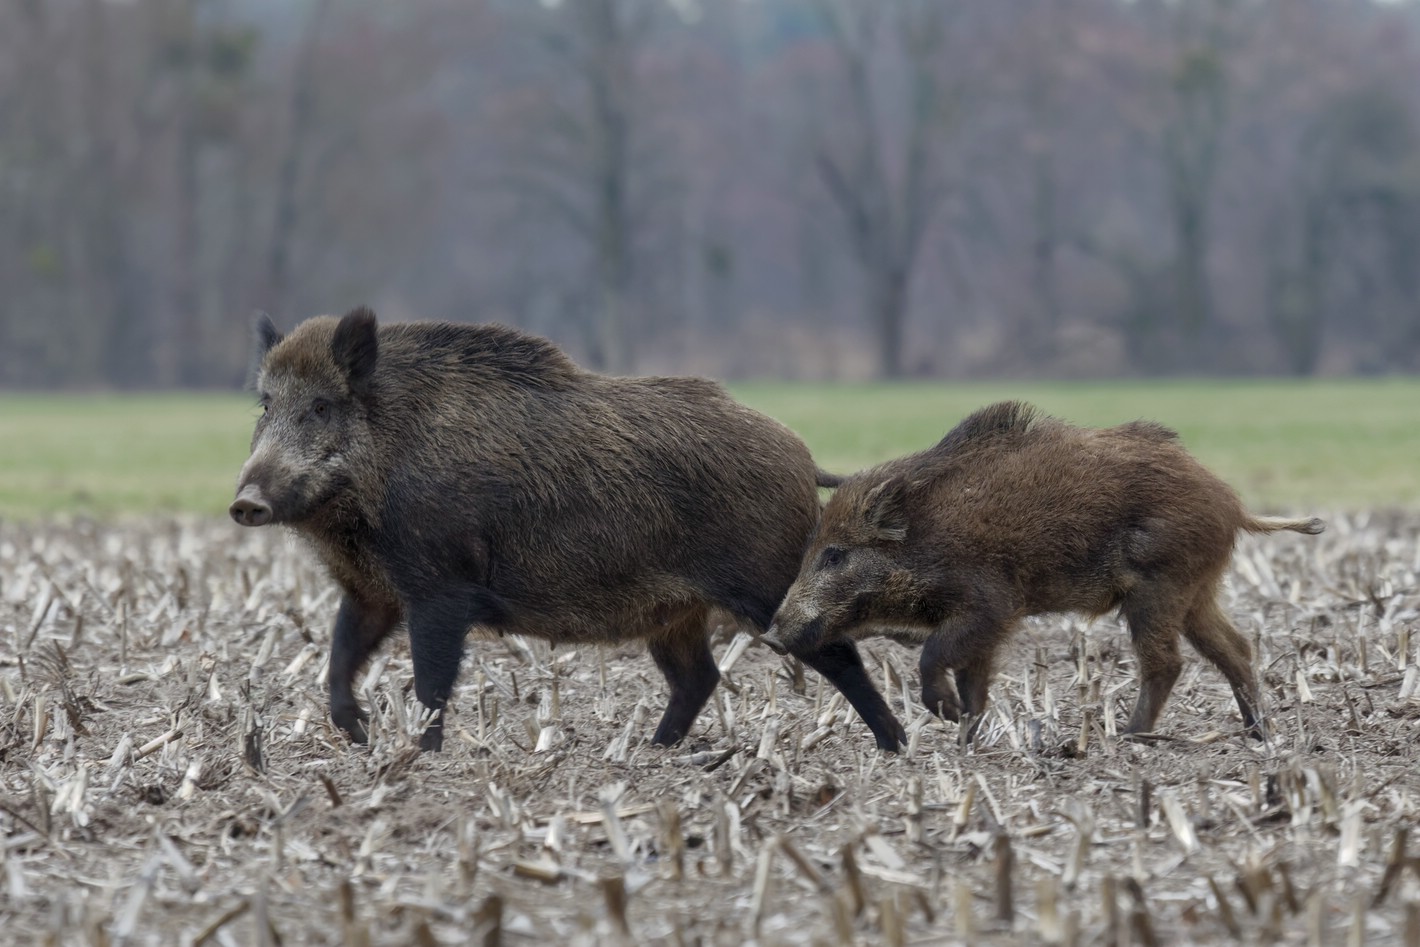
(313, 432)
(853, 575)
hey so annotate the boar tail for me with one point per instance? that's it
(826, 479)
(1271, 524)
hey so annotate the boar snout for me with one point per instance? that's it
(791, 633)
(771, 638)
(250, 507)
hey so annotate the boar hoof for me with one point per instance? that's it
(433, 740)
(352, 723)
(894, 740)
(944, 703)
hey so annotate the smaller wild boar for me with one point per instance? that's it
(1015, 514)
(471, 476)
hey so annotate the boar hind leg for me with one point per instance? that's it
(1154, 631)
(1215, 638)
(359, 629)
(682, 651)
(840, 662)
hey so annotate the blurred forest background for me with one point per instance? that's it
(786, 188)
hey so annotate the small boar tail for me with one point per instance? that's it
(1271, 524)
(825, 479)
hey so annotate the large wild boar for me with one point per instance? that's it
(459, 476)
(1015, 514)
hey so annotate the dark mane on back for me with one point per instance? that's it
(490, 349)
(1149, 430)
(987, 424)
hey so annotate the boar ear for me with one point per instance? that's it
(884, 510)
(263, 339)
(263, 332)
(356, 347)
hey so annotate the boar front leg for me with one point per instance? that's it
(840, 662)
(437, 627)
(360, 626)
(967, 646)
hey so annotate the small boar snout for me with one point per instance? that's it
(771, 638)
(250, 507)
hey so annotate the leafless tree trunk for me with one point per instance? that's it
(612, 32)
(580, 159)
(1297, 294)
(609, 76)
(887, 210)
(181, 364)
(1190, 152)
(1043, 92)
(286, 217)
(1191, 156)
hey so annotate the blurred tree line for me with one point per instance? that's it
(826, 188)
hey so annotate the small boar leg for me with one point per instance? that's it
(967, 645)
(1154, 631)
(1214, 637)
(939, 692)
(359, 629)
(437, 627)
(682, 652)
(840, 662)
(973, 680)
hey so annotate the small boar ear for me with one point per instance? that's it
(884, 510)
(264, 338)
(356, 347)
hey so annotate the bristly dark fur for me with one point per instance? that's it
(494, 350)
(1013, 418)
(1014, 514)
(457, 476)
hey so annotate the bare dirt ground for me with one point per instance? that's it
(168, 774)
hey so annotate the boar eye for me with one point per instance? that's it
(321, 408)
(832, 556)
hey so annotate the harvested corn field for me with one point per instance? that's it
(168, 773)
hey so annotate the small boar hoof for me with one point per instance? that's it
(945, 706)
(432, 741)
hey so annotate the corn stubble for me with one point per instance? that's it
(168, 774)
